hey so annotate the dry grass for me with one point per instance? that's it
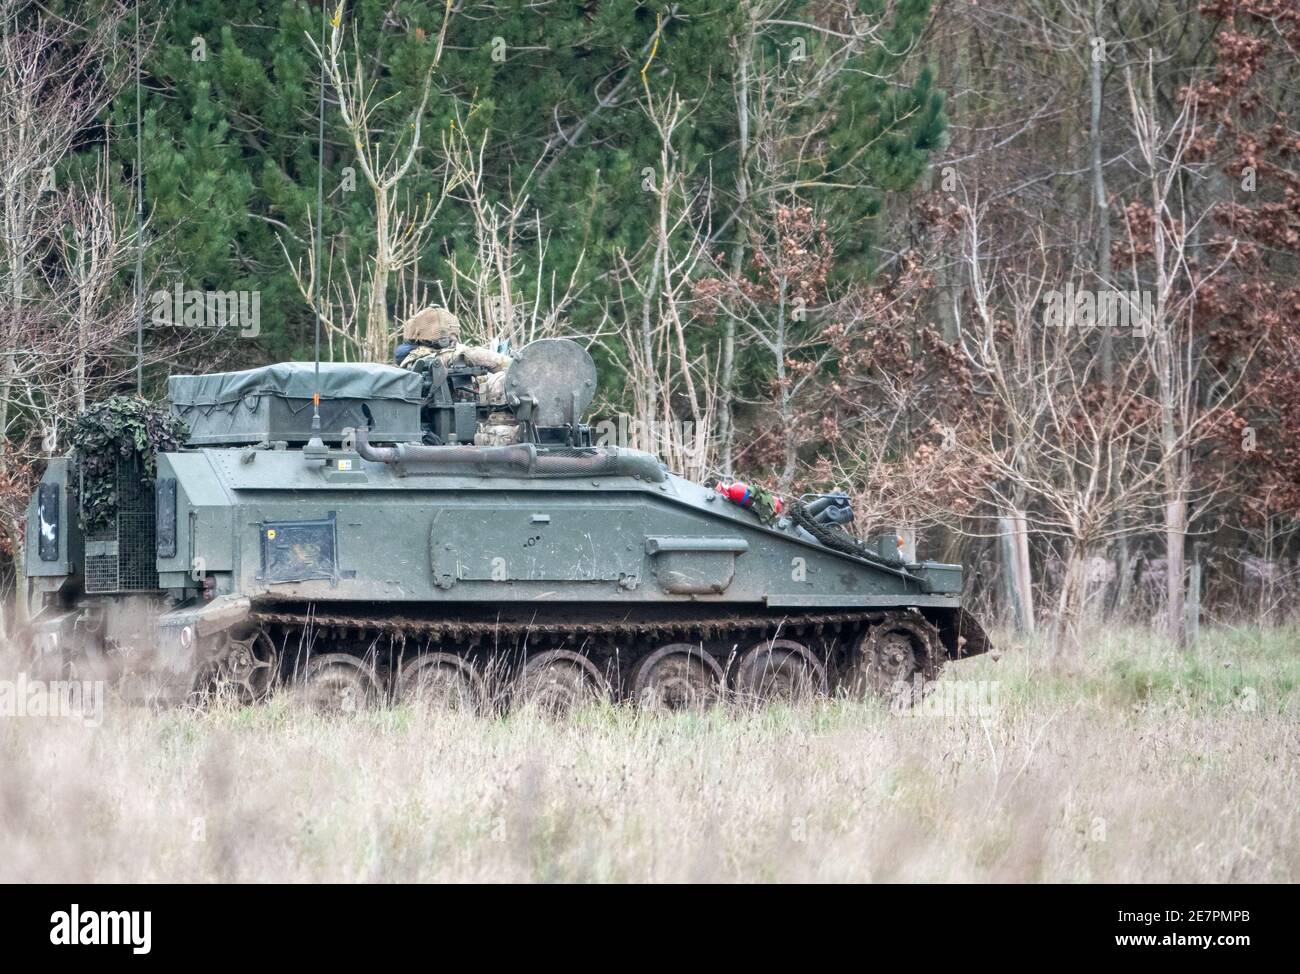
(1134, 764)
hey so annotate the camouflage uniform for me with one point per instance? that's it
(441, 326)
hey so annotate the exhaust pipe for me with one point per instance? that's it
(518, 460)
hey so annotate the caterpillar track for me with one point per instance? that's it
(339, 661)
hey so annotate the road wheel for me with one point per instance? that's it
(243, 670)
(679, 676)
(557, 682)
(779, 670)
(897, 660)
(441, 681)
(338, 683)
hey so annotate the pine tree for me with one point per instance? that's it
(229, 130)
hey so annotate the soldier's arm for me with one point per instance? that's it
(486, 358)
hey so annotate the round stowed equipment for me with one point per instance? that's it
(556, 377)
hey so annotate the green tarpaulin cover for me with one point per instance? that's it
(296, 380)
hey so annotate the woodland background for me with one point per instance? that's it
(812, 245)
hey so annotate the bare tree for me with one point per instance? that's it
(781, 117)
(673, 387)
(401, 228)
(98, 242)
(497, 292)
(59, 250)
(1160, 231)
(56, 75)
(1062, 450)
(776, 302)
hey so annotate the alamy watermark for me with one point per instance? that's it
(77, 927)
(1086, 308)
(81, 700)
(192, 308)
(656, 436)
(946, 698)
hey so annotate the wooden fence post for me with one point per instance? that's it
(1017, 581)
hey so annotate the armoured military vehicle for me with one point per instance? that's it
(414, 543)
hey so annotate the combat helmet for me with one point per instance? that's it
(432, 324)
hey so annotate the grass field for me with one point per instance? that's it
(1129, 763)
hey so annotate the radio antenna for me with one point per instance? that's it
(139, 221)
(315, 447)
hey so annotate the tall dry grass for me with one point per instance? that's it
(1131, 762)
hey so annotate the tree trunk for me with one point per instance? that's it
(786, 401)
(791, 451)
(1101, 206)
(1074, 589)
(1175, 565)
(376, 348)
(1015, 562)
(727, 377)
(1024, 574)
(19, 548)
(1010, 593)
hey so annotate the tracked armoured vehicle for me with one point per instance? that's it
(419, 544)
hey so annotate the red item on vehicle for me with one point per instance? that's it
(741, 495)
(737, 493)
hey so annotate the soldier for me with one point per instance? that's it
(436, 332)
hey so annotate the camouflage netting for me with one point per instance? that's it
(120, 428)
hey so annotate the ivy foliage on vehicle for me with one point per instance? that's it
(122, 426)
